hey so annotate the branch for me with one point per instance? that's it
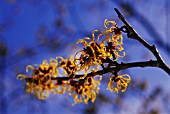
(114, 67)
(131, 33)
(117, 68)
(84, 87)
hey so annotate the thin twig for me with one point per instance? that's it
(134, 35)
(146, 24)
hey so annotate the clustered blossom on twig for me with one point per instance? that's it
(107, 45)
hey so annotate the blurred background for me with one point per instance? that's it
(34, 30)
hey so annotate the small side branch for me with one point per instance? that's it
(131, 33)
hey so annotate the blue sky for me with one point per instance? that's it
(22, 19)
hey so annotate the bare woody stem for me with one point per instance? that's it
(116, 68)
(131, 33)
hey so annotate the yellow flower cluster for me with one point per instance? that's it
(117, 83)
(84, 90)
(94, 51)
(45, 79)
(39, 82)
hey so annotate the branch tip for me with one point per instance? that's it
(117, 11)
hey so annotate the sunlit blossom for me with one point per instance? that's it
(84, 90)
(118, 83)
(77, 75)
(68, 65)
(39, 81)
